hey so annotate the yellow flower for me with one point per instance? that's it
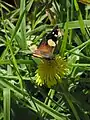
(50, 72)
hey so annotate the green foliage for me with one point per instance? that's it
(28, 22)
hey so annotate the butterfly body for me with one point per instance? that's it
(47, 47)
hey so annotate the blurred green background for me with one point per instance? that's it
(23, 24)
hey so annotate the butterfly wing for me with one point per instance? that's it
(44, 51)
(46, 47)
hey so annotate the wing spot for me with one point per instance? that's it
(51, 43)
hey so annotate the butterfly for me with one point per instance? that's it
(47, 46)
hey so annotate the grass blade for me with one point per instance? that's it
(6, 97)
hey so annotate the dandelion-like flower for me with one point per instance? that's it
(50, 72)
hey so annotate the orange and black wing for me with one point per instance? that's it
(46, 47)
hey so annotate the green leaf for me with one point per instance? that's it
(6, 103)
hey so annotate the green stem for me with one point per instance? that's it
(67, 96)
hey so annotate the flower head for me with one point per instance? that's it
(50, 72)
